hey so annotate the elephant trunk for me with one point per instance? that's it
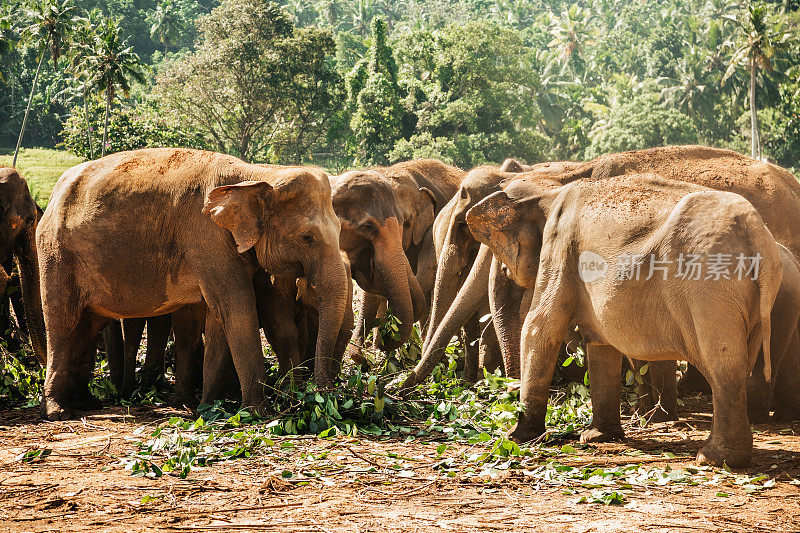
(329, 280)
(447, 283)
(397, 281)
(472, 294)
(348, 323)
(505, 299)
(31, 292)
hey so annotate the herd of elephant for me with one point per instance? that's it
(220, 249)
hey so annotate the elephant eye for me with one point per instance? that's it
(308, 238)
(368, 226)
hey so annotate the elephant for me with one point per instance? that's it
(19, 218)
(148, 232)
(289, 315)
(458, 250)
(773, 191)
(387, 216)
(581, 248)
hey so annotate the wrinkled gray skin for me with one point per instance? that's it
(387, 216)
(210, 221)
(538, 230)
(19, 217)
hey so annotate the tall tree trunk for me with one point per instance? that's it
(105, 122)
(28, 109)
(755, 141)
(88, 123)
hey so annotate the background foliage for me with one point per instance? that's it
(468, 81)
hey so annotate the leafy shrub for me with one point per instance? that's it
(637, 123)
(128, 129)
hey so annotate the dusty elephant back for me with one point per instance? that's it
(772, 190)
(427, 172)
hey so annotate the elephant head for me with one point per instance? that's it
(511, 223)
(384, 217)
(19, 216)
(285, 216)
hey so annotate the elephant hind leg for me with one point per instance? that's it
(605, 387)
(187, 323)
(71, 349)
(724, 363)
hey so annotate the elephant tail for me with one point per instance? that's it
(766, 330)
(769, 283)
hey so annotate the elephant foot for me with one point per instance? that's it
(716, 455)
(594, 434)
(521, 434)
(51, 409)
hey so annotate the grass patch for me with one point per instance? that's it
(41, 167)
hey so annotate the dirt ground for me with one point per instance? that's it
(83, 486)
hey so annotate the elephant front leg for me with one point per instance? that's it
(188, 330)
(542, 335)
(219, 374)
(115, 353)
(367, 312)
(158, 328)
(490, 356)
(605, 386)
(236, 311)
(132, 329)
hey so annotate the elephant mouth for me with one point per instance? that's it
(363, 269)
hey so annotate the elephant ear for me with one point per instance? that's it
(429, 206)
(491, 215)
(240, 209)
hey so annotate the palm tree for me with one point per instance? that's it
(757, 47)
(80, 65)
(689, 90)
(113, 64)
(50, 25)
(166, 23)
(571, 33)
(331, 10)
